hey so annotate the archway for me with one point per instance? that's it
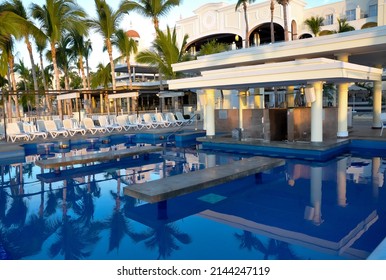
(261, 34)
(305, 36)
(227, 38)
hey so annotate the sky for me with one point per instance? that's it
(142, 25)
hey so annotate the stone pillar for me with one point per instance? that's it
(290, 97)
(316, 194)
(209, 116)
(317, 113)
(242, 105)
(377, 102)
(341, 178)
(342, 110)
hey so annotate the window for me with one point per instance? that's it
(329, 19)
(373, 10)
(350, 15)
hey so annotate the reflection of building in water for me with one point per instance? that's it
(361, 171)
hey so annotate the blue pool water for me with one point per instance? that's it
(302, 210)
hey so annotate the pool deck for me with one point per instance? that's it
(170, 187)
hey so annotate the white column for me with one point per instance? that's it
(341, 166)
(242, 105)
(316, 194)
(317, 113)
(377, 102)
(210, 118)
(342, 110)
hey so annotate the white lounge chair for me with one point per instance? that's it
(72, 126)
(33, 131)
(137, 121)
(123, 121)
(383, 122)
(159, 118)
(14, 133)
(150, 122)
(104, 122)
(172, 119)
(182, 120)
(53, 130)
(91, 127)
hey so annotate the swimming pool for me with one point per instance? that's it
(302, 210)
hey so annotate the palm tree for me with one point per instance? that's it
(314, 24)
(7, 55)
(28, 29)
(245, 7)
(86, 54)
(55, 17)
(166, 53)
(213, 47)
(344, 26)
(126, 47)
(106, 24)
(102, 76)
(78, 45)
(284, 3)
(153, 9)
(272, 8)
(40, 47)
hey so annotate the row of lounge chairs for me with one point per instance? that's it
(28, 131)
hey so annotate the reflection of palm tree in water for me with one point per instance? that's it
(164, 237)
(278, 249)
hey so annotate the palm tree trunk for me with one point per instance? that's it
(57, 81)
(129, 71)
(272, 25)
(14, 87)
(110, 51)
(285, 22)
(246, 25)
(48, 103)
(84, 82)
(33, 70)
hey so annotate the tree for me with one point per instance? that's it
(153, 9)
(27, 30)
(55, 18)
(344, 26)
(126, 47)
(284, 3)
(166, 52)
(245, 7)
(106, 24)
(102, 77)
(314, 24)
(86, 54)
(272, 8)
(213, 47)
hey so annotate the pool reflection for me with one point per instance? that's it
(303, 210)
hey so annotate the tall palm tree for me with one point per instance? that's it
(28, 29)
(126, 47)
(314, 24)
(78, 45)
(284, 3)
(245, 7)
(106, 24)
(102, 76)
(153, 9)
(7, 55)
(40, 47)
(55, 17)
(86, 54)
(272, 8)
(344, 26)
(166, 53)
